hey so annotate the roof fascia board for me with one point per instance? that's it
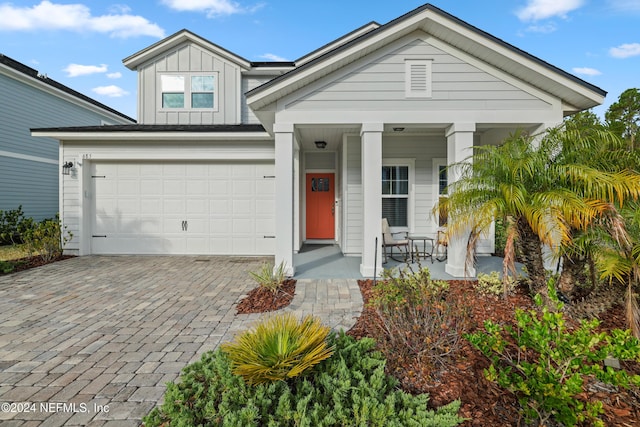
(490, 69)
(338, 42)
(51, 90)
(258, 95)
(266, 93)
(519, 56)
(145, 55)
(153, 136)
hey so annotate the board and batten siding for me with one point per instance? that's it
(77, 198)
(377, 82)
(189, 58)
(28, 165)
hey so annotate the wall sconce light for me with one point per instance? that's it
(66, 168)
(321, 144)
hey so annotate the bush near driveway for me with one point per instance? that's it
(348, 389)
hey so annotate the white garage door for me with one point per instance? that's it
(183, 208)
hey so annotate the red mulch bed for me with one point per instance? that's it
(22, 264)
(485, 403)
(261, 299)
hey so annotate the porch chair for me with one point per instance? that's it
(388, 241)
(442, 244)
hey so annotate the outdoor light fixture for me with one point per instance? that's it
(321, 144)
(66, 168)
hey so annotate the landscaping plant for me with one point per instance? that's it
(547, 365)
(13, 224)
(492, 284)
(270, 277)
(348, 389)
(417, 316)
(278, 348)
(47, 239)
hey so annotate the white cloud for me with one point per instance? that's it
(212, 8)
(273, 57)
(115, 75)
(546, 28)
(586, 71)
(75, 70)
(111, 91)
(625, 5)
(74, 17)
(536, 10)
(625, 50)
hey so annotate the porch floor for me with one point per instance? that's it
(328, 262)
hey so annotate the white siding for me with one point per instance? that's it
(190, 58)
(378, 83)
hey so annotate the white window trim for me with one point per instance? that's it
(436, 162)
(411, 164)
(187, 90)
(411, 93)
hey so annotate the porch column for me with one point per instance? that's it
(284, 197)
(459, 146)
(371, 165)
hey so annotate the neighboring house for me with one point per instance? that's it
(244, 158)
(29, 168)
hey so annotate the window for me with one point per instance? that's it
(188, 91)
(395, 195)
(418, 78)
(440, 182)
(172, 91)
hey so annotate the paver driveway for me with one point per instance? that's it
(93, 340)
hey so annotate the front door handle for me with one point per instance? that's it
(185, 225)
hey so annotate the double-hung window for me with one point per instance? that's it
(395, 195)
(188, 91)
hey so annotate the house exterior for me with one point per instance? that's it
(29, 166)
(244, 158)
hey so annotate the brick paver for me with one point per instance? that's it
(93, 340)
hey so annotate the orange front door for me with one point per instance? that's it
(320, 206)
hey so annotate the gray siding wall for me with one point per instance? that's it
(190, 58)
(28, 166)
(249, 83)
(378, 83)
(422, 149)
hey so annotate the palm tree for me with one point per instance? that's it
(546, 191)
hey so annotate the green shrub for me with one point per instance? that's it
(13, 224)
(47, 239)
(547, 365)
(6, 267)
(269, 277)
(418, 317)
(348, 389)
(278, 348)
(492, 284)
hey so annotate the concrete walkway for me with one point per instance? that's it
(93, 340)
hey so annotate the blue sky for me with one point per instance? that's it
(81, 43)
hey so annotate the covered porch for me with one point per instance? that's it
(326, 261)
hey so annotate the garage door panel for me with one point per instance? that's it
(179, 208)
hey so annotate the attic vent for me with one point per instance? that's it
(418, 78)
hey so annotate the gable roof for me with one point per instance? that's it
(34, 77)
(176, 39)
(574, 91)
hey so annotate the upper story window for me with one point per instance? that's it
(188, 91)
(418, 78)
